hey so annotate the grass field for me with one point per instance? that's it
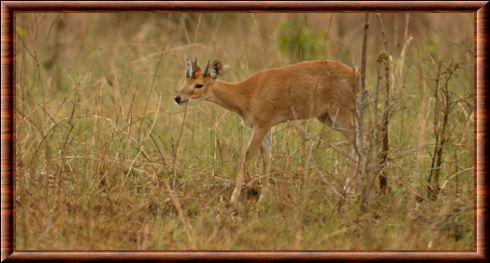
(106, 159)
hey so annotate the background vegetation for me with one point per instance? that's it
(106, 160)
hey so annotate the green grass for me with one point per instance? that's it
(98, 132)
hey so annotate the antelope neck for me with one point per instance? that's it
(232, 96)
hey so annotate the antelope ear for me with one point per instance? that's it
(216, 69)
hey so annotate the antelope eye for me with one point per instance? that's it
(198, 86)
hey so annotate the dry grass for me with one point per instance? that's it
(106, 160)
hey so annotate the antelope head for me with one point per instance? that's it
(198, 84)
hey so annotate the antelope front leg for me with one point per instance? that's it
(255, 142)
(265, 150)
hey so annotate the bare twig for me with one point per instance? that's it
(162, 51)
(443, 105)
(176, 149)
(382, 135)
(359, 142)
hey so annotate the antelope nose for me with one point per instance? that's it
(177, 99)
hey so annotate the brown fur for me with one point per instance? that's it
(320, 89)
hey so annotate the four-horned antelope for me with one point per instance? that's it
(320, 89)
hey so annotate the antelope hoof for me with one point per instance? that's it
(235, 196)
(264, 196)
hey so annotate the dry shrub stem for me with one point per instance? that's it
(150, 93)
(359, 142)
(381, 129)
(442, 106)
(176, 149)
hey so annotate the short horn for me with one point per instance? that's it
(188, 66)
(206, 71)
(194, 68)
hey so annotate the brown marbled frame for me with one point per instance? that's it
(8, 10)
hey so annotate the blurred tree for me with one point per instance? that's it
(298, 41)
(432, 46)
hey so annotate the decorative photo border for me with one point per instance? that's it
(9, 10)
